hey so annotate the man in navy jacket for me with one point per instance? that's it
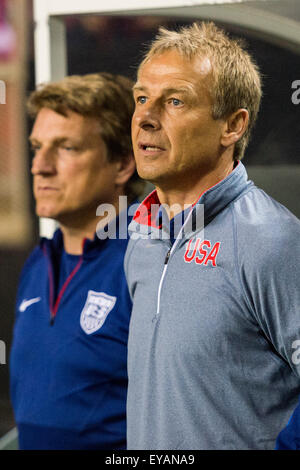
(68, 358)
(289, 437)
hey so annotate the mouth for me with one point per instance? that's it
(150, 148)
(46, 188)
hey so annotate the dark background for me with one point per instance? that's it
(116, 44)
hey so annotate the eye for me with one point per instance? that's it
(176, 102)
(141, 99)
(34, 148)
(68, 147)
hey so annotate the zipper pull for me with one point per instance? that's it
(167, 256)
(52, 320)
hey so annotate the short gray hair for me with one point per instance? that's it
(236, 77)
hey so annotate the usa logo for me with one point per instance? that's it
(96, 308)
(202, 252)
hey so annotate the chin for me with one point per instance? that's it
(46, 215)
(148, 174)
(45, 212)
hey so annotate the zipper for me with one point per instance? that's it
(62, 290)
(50, 279)
(167, 258)
(161, 283)
(54, 308)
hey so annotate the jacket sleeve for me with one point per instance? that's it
(27, 269)
(269, 269)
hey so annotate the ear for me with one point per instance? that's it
(125, 169)
(235, 127)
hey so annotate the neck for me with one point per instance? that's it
(73, 238)
(74, 235)
(188, 191)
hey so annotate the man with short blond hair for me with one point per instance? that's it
(216, 303)
(68, 358)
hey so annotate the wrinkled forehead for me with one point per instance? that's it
(171, 69)
(203, 59)
(49, 124)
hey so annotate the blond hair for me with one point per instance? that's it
(236, 79)
(103, 96)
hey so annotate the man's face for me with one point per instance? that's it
(175, 138)
(71, 173)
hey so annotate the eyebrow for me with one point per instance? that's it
(136, 86)
(58, 140)
(166, 91)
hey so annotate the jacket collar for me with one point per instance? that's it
(212, 201)
(117, 228)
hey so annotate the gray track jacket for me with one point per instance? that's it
(214, 342)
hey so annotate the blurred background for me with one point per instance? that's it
(115, 43)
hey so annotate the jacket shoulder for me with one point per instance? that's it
(31, 264)
(263, 224)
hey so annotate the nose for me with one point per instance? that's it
(148, 116)
(43, 162)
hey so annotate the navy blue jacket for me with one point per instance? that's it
(289, 438)
(68, 357)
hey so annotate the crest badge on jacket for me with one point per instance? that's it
(96, 308)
